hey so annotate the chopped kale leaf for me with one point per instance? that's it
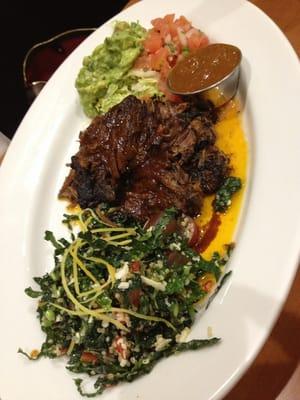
(223, 196)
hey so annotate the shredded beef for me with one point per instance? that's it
(211, 167)
(145, 157)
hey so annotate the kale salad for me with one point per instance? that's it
(122, 296)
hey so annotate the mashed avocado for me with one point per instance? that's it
(105, 78)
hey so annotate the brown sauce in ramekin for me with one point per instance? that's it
(204, 68)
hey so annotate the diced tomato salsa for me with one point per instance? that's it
(166, 43)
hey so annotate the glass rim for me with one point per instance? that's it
(45, 42)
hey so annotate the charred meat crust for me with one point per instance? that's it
(147, 156)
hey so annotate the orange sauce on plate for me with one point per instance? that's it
(230, 139)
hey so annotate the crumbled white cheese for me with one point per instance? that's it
(105, 324)
(118, 296)
(175, 246)
(161, 343)
(155, 284)
(58, 318)
(157, 264)
(123, 285)
(123, 363)
(184, 221)
(123, 318)
(123, 272)
(182, 336)
(76, 338)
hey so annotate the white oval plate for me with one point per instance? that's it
(266, 255)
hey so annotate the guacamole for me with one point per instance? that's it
(105, 78)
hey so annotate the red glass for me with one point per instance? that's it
(44, 58)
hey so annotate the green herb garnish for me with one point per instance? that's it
(223, 196)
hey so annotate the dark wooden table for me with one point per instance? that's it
(275, 373)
